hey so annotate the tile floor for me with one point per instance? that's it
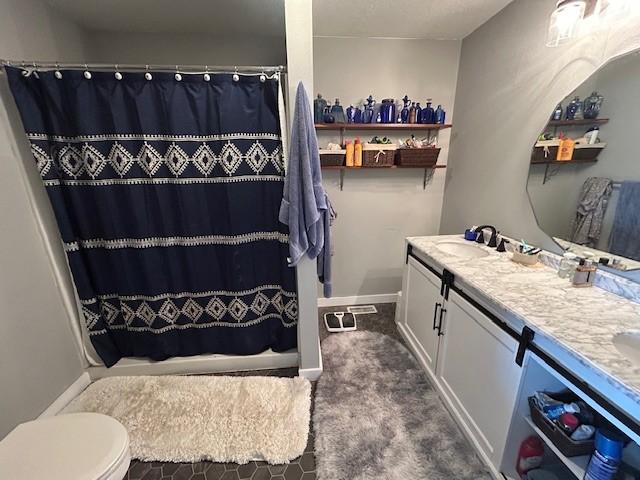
(302, 468)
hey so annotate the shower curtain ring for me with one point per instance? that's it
(118, 75)
(177, 76)
(87, 73)
(57, 73)
(147, 75)
(263, 77)
(236, 77)
(206, 75)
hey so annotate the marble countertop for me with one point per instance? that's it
(580, 321)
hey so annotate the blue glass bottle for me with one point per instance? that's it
(404, 113)
(357, 115)
(369, 117)
(418, 113)
(428, 113)
(440, 115)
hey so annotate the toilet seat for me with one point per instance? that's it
(76, 446)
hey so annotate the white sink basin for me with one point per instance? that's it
(462, 250)
(628, 344)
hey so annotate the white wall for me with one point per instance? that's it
(38, 356)
(185, 49)
(508, 84)
(378, 209)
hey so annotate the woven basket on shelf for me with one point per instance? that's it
(332, 158)
(378, 155)
(417, 157)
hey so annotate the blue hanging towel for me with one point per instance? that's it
(625, 234)
(305, 206)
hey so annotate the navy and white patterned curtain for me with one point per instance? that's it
(166, 194)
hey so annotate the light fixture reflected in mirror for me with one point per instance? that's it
(564, 21)
(610, 9)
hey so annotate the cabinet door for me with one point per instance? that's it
(422, 298)
(478, 375)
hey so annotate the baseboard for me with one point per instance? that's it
(313, 374)
(358, 300)
(200, 364)
(75, 389)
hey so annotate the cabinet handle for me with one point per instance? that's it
(435, 314)
(442, 312)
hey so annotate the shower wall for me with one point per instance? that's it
(38, 356)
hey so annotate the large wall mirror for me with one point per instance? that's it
(584, 180)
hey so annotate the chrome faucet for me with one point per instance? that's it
(493, 240)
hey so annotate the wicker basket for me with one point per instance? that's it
(332, 158)
(567, 446)
(378, 155)
(588, 153)
(417, 157)
(545, 151)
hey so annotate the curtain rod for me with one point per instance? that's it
(48, 65)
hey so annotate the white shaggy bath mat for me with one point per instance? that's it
(189, 419)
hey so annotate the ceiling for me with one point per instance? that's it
(435, 19)
(215, 17)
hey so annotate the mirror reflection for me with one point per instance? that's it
(584, 179)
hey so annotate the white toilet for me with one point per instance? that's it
(75, 446)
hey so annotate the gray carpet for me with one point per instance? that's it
(377, 417)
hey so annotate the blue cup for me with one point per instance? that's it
(470, 235)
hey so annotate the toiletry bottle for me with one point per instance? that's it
(557, 113)
(350, 153)
(605, 460)
(585, 274)
(418, 113)
(440, 114)
(357, 153)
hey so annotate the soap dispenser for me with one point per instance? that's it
(585, 273)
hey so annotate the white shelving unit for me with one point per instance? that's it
(577, 465)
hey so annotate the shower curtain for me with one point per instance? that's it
(166, 193)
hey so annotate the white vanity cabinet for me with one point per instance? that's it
(477, 375)
(470, 360)
(422, 308)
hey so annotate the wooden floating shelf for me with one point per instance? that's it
(382, 126)
(566, 162)
(344, 167)
(577, 465)
(582, 121)
(428, 171)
